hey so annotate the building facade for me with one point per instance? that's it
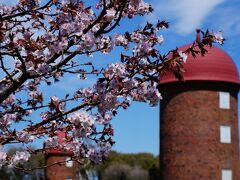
(59, 164)
(199, 120)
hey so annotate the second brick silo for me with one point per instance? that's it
(199, 120)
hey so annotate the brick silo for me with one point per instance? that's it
(66, 169)
(199, 120)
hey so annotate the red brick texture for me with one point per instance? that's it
(59, 172)
(190, 121)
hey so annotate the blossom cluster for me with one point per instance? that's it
(19, 157)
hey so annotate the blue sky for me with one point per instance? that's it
(137, 129)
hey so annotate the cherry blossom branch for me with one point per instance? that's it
(9, 17)
(5, 70)
(43, 43)
(60, 163)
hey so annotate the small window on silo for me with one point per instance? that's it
(225, 134)
(224, 100)
(226, 174)
(69, 162)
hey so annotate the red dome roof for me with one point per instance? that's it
(216, 65)
(61, 139)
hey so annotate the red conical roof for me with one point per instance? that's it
(61, 139)
(216, 65)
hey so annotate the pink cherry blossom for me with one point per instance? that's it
(120, 40)
(20, 157)
(111, 14)
(183, 56)
(117, 69)
(10, 100)
(218, 37)
(51, 141)
(43, 68)
(81, 118)
(25, 137)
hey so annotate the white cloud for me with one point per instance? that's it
(187, 15)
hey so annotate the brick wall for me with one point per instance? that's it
(59, 172)
(190, 120)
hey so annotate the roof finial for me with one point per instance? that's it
(198, 37)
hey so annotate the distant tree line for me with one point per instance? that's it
(121, 166)
(118, 166)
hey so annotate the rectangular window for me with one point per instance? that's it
(225, 134)
(226, 174)
(224, 100)
(69, 162)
